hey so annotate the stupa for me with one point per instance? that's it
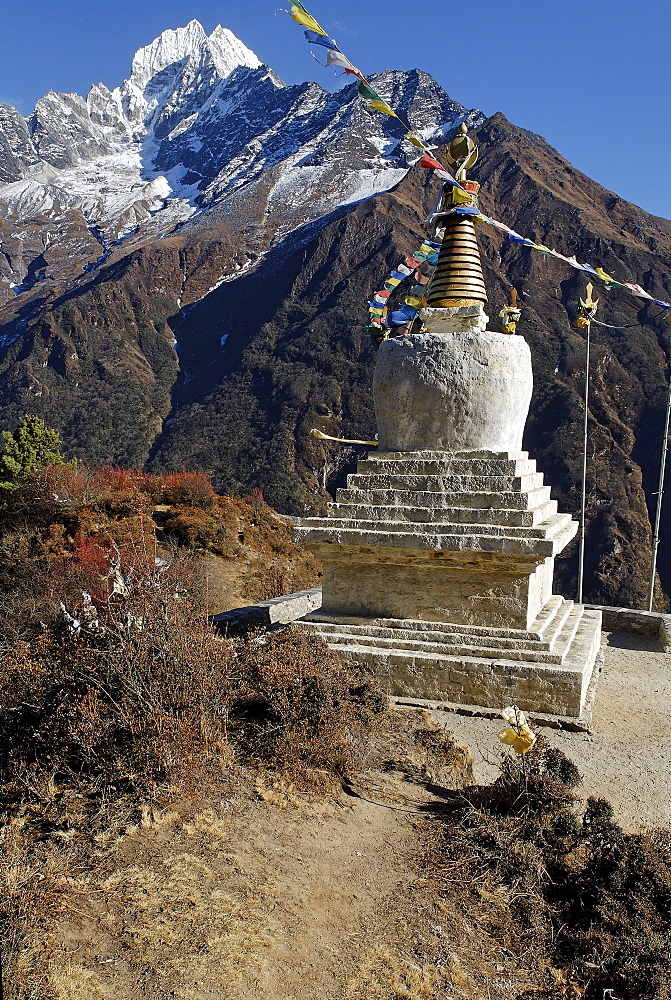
(439, 555)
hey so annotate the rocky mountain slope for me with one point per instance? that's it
(191, 257)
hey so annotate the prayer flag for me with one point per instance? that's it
(415, 141)
(461, 197)
(429, 162)
(315, 38)
(367, 92)
(404, 270)
(334, 57)
(637, 290)
(384, 294)
(400, 274)
(411, 262)
(413, 300)
(515, 238)
(299, 13)
(382, 106)
(448, 178)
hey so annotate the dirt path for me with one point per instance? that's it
(626, 758)
(264, 895)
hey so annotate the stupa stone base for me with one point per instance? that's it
(438, 574)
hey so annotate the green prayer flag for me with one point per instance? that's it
(367, 92)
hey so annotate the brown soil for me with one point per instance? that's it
(264, 891)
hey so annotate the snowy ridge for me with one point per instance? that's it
(199, 123)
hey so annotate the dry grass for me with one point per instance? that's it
(172, 913)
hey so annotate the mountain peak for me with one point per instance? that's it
(228, 52)
(176, 44)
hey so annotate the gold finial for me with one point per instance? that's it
(587, 309)
(461, 153)
(511, 314)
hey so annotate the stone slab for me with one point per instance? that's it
(277, 611)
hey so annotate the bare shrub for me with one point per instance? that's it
(292, 704)
(583, 899)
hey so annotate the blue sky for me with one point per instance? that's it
(595, 80)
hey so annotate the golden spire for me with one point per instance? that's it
(458, 279)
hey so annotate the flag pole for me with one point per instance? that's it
(586, 312)
(660, 494)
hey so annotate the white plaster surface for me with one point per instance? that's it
(467, 390)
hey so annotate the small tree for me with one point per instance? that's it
(31, 446)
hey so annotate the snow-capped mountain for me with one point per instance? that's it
(186, 262)
(199, 123)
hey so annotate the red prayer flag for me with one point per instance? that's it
(429, 162)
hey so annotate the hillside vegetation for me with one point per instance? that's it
(151, 769)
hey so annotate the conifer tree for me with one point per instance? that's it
(31, 446)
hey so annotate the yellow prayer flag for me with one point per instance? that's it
(416, 142)
(412, 300)
(306, 19)
(461, 197)
(602, 274)
(382, 106)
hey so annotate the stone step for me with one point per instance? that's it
(452, 515)
(479, 500)
(434, 540)
(547, 623)
(500, 456)
(550, 528)
(445, 484)
(493, 652)
(453, 644)
(434, 640)
(548, 626)
(446, 466)
(536, 686)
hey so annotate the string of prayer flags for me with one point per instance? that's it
(335, 57)
(377, 307)
(316, 35)
(597, 272)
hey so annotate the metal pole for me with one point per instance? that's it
(660, 494)
(581, 553)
